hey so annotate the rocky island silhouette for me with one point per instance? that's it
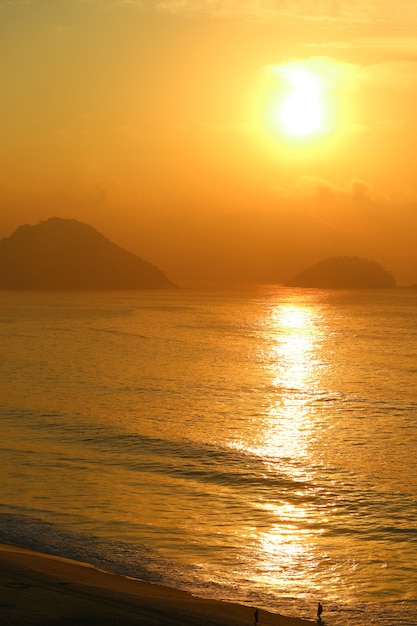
(63, 253)
(344, 272)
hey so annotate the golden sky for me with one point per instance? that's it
(234, 139)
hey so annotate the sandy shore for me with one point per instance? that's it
(37, 589)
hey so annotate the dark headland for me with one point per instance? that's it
(67, 254)
(344, 272)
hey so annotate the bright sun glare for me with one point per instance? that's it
(301, 112)
(298, 97)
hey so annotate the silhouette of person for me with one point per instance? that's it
(319, 611)
(256, 617)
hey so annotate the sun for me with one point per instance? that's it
(296, 99)
(301, 110)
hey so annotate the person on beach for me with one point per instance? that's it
(319, 611)
(256, 617)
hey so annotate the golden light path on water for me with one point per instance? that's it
(288, 432)
(293, 371)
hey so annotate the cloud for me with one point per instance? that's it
(361, 191)
(377, 14)
(394, 74)
(377, 17)
(316, 188)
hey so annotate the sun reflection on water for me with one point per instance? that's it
(293, 367)
(288, 547)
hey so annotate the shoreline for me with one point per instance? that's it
(38, 589)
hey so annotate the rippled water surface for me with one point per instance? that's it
(256, 446)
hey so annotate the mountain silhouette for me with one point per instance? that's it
(67, 254)
(344, 272)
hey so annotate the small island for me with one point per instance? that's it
(344, 272)
(67, 254)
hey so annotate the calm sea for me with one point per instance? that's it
(255, 446)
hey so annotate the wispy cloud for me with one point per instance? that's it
(373, 13)
(361, 11)
(368, 19)
(316, 188)
(376, 15)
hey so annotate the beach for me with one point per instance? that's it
(38, 589)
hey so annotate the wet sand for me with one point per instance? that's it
(37, 589)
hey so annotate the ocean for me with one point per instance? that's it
(255, 446)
